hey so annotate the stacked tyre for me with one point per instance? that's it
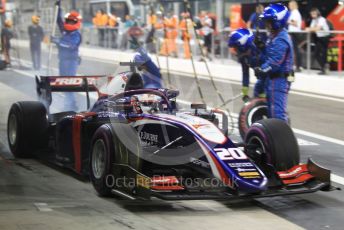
(253, 111)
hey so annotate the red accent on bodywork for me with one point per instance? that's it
(225, 179)
(76, 138)
(299, 180)
(164, 180)
(167, 187)
(165, 183)
(77, 141)
(293, 172)
(298, 174)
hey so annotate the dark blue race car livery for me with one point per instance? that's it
(137, 143)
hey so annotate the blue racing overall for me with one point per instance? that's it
(279, 68)
(249, 59)
(68, 53)
(151, 73)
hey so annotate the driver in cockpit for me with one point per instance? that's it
(150, 72)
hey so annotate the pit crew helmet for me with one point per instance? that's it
(139, 58)
(278, 14)
(72, 21)
(241, 39)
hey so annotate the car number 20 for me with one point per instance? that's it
(230, 154)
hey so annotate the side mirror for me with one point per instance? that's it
(172, 93)
(196, 105)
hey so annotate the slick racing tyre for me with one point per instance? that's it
(107, 150)
(254, 110)
(27, 128)
(272, 142)
(101, 159)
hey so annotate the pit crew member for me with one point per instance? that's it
(150, 72)
(68, 48)
(278, 65)
(249, 56)
(36, 35)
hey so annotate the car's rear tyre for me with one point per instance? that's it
(101, 159)
(252, 111)
(272, 142)
(27, 128)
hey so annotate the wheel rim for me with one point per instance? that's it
(257, 150)
(256, 114)
(98, 159)
(12, 129)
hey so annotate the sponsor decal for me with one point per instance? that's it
(230, 154)
(71, 81)
(246, 170)
(251, 177)
(108, 114)
(293, 172)
(148, 139)
(199, 162)
(249, 174)
(143, 181)
(121, 100)
(240, 165)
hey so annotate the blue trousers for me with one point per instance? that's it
(260, 86)
(69, 68)
(277, 97)
(36, 55)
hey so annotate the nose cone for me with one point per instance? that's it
(251, 182)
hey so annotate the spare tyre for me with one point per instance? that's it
(272, 142)
(253, 111)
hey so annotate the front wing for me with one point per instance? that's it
(169, 188)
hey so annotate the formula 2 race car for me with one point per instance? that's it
(134, 142)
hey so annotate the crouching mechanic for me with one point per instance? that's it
(249, 56)
(278, 66)
(150, 72)
(68, 49)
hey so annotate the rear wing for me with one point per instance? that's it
(46, 85)
(69, 83)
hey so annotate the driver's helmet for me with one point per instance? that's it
(278, 14)
(241, 39)
(124, 82)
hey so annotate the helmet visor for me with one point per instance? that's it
(71, 21)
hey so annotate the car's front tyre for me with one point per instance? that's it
(272, 142)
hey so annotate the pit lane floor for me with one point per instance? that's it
(49, 198)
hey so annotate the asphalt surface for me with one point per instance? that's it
(46, 197)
